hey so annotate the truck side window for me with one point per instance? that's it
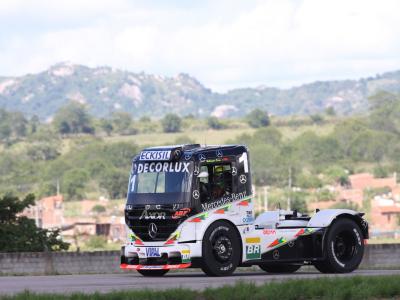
(218, 183)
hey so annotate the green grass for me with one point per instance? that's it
(384, 287)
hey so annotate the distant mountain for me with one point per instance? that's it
(105, 90)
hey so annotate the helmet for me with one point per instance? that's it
(219, 176)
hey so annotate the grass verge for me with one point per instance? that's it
(384, 287)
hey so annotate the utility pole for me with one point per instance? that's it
(290, 187)
(265, 198)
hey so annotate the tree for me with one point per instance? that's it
(114, 181)
(106, 126)
(74, 182)
(330, 111)
(258, 118)
(214, 123)
(317, 119)
(122, 122)
(269, 135)
(73, 118)
(171, 123)
(19, 233)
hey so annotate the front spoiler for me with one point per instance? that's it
(154, 267)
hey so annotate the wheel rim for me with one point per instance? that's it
(344, 246)
(222, 248)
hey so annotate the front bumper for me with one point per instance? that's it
(135, 257)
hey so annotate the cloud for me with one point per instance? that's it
(225, 44)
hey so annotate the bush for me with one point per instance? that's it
(258, 118)
(171, 123)
(214, 123)
(98, 208)
(96, 242)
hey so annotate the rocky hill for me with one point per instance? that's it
(105, 90)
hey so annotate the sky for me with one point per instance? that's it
(225, 44)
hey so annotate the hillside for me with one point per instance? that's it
(105, 90)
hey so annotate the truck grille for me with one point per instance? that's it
(165, 226)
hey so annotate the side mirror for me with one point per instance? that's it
(203, 174)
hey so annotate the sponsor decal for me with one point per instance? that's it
(304, 231)
(150, 267)
(156, 215)
(269, 231)
(196, 194)
(176, 206)
(213, 160)
(275, 254)
(277, 242)
(155, 155)
(223, 209)
(244, 202)
(134, 239)
(224, 200)
(248, 219)
(246, 229)
(253, 240)
(199, 218)
(242, 179)
(152, 230)
(196, 171)
(234, 171)
(253, 251)
(181, 213)
(185, 256)
(188, 156)
(171, 240)
(163, 167)
(202, 157)
(153, 252)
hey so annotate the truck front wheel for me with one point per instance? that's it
(221, 249)
(153, 273)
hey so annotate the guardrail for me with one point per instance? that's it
(101, 262)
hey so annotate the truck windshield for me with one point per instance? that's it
(160, 182)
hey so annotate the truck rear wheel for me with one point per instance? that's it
(153, 273)
(279, 268)
(221, 249)
(343, 247)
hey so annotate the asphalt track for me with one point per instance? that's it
(133, 281)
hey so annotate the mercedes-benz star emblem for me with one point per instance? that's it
(153, 230)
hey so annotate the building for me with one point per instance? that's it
(48, 212)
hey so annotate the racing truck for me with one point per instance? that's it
(192, 206)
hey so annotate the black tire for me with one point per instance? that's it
(343, 247)
(221, 249)
(279, 268)
(153, 273)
